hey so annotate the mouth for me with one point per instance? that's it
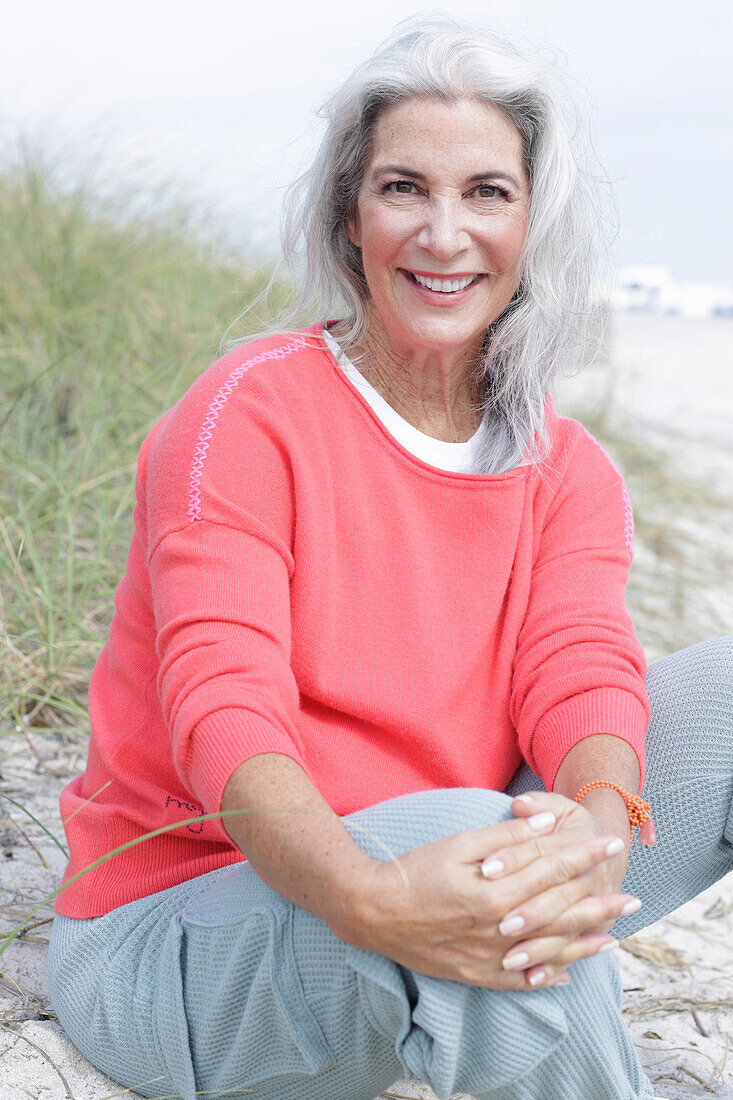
(443, 284)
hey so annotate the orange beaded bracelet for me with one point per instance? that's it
(638, 811)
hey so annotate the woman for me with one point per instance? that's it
(375, 593)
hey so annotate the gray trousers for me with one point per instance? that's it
(220, 984)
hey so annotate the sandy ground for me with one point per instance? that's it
(677, 975)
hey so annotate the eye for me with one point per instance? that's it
(400, 187)
(490, 191)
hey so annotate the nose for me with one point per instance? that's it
(443, 232)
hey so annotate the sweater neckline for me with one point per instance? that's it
(454, 456)
(386, 435)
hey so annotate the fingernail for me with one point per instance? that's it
(511, 925)
(632, 906)
(491, 867)
(515, 962)
(538, 977)
(524, 798)
(563, 980)
(608, 946)
(615, 847)
(541, 821)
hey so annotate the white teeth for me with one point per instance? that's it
(445, 286)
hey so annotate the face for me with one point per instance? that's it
(442, 216)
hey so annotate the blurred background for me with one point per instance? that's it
(222, 96)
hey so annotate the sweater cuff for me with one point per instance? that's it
(600, 710)
(222, 741)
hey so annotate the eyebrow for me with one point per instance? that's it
(399, 170)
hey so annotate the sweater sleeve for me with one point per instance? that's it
(579, 669)
(220, 588)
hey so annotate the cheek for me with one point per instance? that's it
(384, 233)
(504, 244)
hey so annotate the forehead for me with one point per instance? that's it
(464, 134)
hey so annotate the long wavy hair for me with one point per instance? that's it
(554, 320)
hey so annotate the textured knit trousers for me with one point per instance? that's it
(221, 985)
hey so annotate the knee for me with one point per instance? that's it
(698, 678)
(422, 817)
(690, 693)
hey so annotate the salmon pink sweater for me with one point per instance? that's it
(298, 582)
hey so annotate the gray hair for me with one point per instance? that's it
(553, 319)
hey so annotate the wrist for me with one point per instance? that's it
(601, 756)
(609, 808)
(354, 911)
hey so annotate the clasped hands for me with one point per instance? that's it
(508, 906)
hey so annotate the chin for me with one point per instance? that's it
(443, 337)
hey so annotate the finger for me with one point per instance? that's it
(532, 952)
(508, 979)
(518, 855)
(566, 810)
(539, 977)
(583, 948)
(535, 887)
(546, 975)
(533, 802)
(579, 855)
(530, 955)
(545, 907)
(475, 845)
(550, 975)
(591, 914)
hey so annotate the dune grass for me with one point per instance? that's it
(102, 327)
(678, 588)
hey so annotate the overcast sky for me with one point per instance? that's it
(220, 96)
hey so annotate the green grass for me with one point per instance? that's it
(102, 327)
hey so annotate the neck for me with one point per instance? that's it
(435, 391)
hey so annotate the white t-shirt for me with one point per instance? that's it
(457, 457)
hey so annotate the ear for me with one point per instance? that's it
(353, 231)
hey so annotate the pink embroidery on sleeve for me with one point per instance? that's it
(212, 415)
(628, 512)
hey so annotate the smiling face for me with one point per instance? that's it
(442, 217)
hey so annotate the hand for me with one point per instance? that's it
(604, 812)
(608, 814)
(446, 921)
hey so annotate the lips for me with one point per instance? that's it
(444, 285)
(442, 289)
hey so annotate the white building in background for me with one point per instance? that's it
(653, 289)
